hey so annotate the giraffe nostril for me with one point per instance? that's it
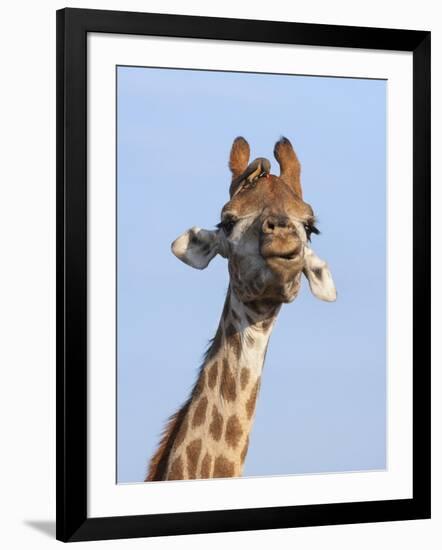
(274, 223)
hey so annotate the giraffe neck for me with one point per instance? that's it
(209, 435)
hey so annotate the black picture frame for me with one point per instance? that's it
(73, 25)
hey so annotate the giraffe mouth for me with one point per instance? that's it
(290, 256)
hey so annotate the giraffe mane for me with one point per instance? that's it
(158, 462)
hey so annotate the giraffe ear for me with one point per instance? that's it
(196, 247)
(319, 277)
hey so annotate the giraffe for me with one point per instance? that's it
(264, 233)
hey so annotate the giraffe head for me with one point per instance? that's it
(264, 231)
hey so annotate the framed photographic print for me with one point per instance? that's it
(243, 274)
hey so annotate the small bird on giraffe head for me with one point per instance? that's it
(258, 168)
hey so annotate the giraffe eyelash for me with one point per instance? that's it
(311, 228)
(227, 225)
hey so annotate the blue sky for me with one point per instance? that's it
(322, 405)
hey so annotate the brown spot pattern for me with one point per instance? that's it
(176, 470)
(193, 451)
(245, 449)
(251, 401)
(244, 377)
(212, 375)
(200, 412)
(223, 467)
(233, 431)
(228, 384)
(216, 426)
(234, 339)
(206, 466)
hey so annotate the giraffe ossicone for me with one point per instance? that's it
(264, 234)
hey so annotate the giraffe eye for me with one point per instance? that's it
(227, 225)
